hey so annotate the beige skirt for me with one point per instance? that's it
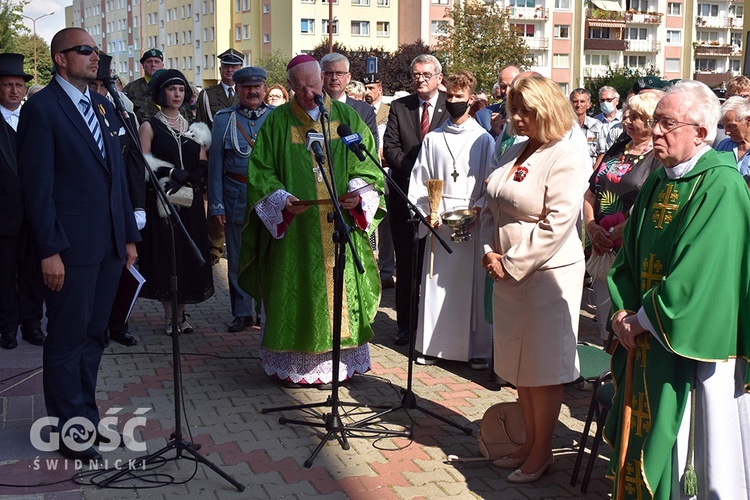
(535, 326)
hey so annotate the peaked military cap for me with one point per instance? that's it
(232, 57)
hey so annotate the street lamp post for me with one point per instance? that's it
(33, 24)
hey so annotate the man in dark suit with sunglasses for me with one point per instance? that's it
(73, 183)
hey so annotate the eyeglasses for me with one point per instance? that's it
(419, 76)
(603, 99)
(83, 50)
(337, 74)
(668, 124)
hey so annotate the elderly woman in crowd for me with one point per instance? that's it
(534, 255)
(176, 151)
(735, 117)
(276, 95)
(356, 90)
(613, 188)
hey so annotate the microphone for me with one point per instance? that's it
(320, 101)
(314, 143)
(351, 140)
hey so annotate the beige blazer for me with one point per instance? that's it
(532, 222)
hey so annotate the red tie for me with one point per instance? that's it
(425, 125)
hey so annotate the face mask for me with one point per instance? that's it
(457, 109)
(607, 107)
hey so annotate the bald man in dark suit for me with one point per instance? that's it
(401, 144)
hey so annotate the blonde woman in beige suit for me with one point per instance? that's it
(533, 253)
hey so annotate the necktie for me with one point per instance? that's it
(92, 122)
(230, 93)
(425, 125)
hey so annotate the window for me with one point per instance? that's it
(245, 5)
(597, 60)
(360, 28)
(189, 10)
(324, 26)
(383, 28)
(560, 60)
(707, 10)
(672, 65)
(238, 32)
(440, 2)
(266, 8)
(326, 2)
(562, 4)
(266, 38)
(734, 65)
(735, 39)
(237, 5)
(308, 27)
(705, 64)
(438, 27)
(363, 3)
(190, 62)
(639, 5)
(246, 31)
(636, 33)
(384, 3)
(674, 37)
(524, 29)
(737, 11)
(562, 31)
(563, 87)
(707, 36)
(635, 61)
(599, 33)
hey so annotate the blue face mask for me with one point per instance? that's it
(607, 107)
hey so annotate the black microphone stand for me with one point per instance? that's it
(176, 442)
(409, 399)
(341, 238)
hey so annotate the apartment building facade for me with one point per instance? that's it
(569, 40)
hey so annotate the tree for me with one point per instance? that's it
(11, 23)
(398, 75)
(479, 38)
(618, 77)
(275, 65)
(25, 46)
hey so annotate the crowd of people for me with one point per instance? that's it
(661, 199)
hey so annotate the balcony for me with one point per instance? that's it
(709, 49)
(712, 78)
(642, 46)
(537, 43)
(610, 16)
(538, 13)
(643, 18)
(713, 22)
(604, 44)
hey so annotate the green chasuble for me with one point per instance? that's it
(293, 275)
(685, 260)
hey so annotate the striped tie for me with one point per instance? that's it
(92, 122)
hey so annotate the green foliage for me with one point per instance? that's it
(275, 65)
(11, 23)
(478, 38)
(399, 70)
(618, 77)
(25, 46)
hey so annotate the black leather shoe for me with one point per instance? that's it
(34, 336)
(239, 324)
(124, 337)
(85, 455)
(8, 340)
(401, 338)
(100, 439)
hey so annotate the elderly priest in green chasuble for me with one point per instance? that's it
(680, 291)
(287, 254)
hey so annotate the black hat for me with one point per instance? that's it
(105, 66)
(161, 79)
(371, 78)
(232, 57)
(12, 65)
(152, 53)
(249, 76)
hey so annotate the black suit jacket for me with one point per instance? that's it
(403, 139)
(77, 202)
(11, 202)
(367, 113)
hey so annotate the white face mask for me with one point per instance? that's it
(607, 107)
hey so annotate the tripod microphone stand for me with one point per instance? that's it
(182, 448)
(333, 423)
(409, 399)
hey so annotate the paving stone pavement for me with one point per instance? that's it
(224, 393)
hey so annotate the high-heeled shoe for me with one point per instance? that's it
(518, 476)
(508, 462)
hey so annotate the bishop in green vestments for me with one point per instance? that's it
(287, 254)
(680, 289)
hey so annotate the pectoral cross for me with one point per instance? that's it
(665, 207)
(454, 174)
(650, 273)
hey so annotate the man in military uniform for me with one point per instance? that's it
(138, 91)
(233, 138)
(222, 95)
(210, 101)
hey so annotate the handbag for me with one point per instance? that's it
(598, 266)
(183, 197)
(502, 430)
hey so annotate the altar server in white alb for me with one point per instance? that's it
(451, 321)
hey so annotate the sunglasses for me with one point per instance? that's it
(84, 50)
